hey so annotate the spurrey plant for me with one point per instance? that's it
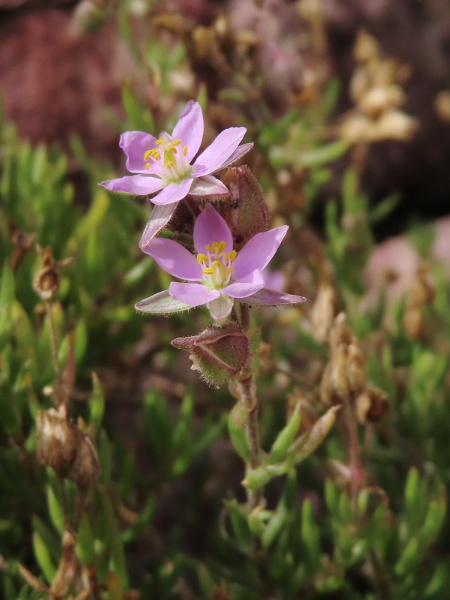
(221, 261)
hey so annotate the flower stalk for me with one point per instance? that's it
(246, 391)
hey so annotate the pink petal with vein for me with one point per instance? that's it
(237, 154)
(141, 185)
(218, 153)
(267, 297)
(221, 307)
(245, 286)
(211, 227)
(174, 258)
(258, 251)
(174, 192)
(194, 294)
(208, 186)
(189, 128)
(159, 218)
(135, 144)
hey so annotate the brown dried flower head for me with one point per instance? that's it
(47, 279)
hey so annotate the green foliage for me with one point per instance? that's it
(166, 515)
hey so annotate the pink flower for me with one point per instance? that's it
(165, 166)
(217, 274)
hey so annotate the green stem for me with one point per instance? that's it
(246, 388)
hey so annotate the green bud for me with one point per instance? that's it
(310, 440)
(218, 353)
(236, 427)
(285, 438)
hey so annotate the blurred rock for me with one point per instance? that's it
(55, 82)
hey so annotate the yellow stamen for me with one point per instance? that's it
(231, 255)
(161, 141)
(153, 153)
(184, 151)
(208, 270)
(201, 259)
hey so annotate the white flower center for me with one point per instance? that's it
(169, 160)
(217, 265)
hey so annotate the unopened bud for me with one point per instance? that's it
(246, 213)
(371, 406)
(340, 332)
(218, 353)
(338, 372)
(85, 466)
(355, 369)
(421, 294)
(323, 312)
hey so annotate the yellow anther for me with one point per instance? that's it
(231, 256)
(208, 270)
(153, 153)
(221, 247)
(208, 248)
(175, 143)
(185, 150)
(161, 141)
(201, 259)
(148, 165)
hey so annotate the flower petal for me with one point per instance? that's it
(194, 294)
(211, 227)
(267, 297)
(159, 218)
(189, 128)
(258, 251)
(221, 307)
(135, 144)
(174, 258)
(218, 153)
(245, 286)
(161, 304)
(237, 154)
(208, 186)
(173, 192)
(141, 185)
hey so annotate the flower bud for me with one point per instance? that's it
(85, 466)
(246, 213)
(355, 367)
(218, 353)
(323, 312)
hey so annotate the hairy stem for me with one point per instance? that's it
(246, 389)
